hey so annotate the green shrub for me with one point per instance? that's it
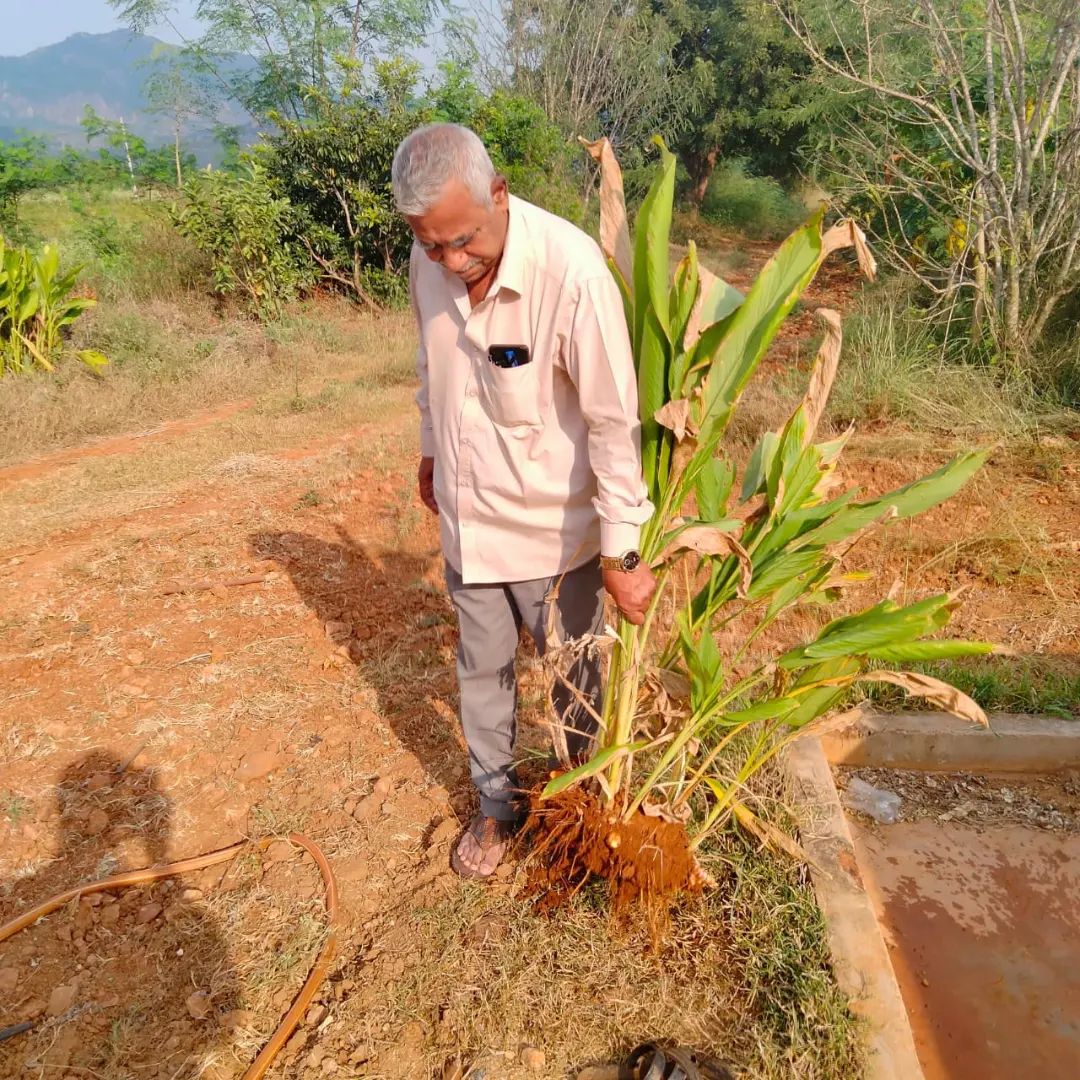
(37, 306)
(755, 205)
(247, 230)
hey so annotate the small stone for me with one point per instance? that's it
(256, 765)
(190, 895)
(100, 780)
(236, 1019)
(329, 1065)
(316, 1015)
(148, 913)
(280, 851)
(61, 999)
(532, 1058)
(367, 808)
(198, 1005)
(444, 832)
(97, 822)
(135, 657)
(9, 979)
(490, 928)
(337, 632)
(384, 785)
(110, 915)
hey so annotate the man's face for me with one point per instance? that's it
(465, 237)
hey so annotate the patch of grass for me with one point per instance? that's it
(743, 973)
(998, 684)
(893, 369)
(15, 808)
(310, 498)
(755, 205)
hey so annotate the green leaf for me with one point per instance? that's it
(93, 359)
(713, 487)
(597, 763)
(755, 322)
(914, 498)
(929, 650)
(718, 301)
(684, 291)
(769, 709)
(652, 356)
(759, 465)
(652, 229)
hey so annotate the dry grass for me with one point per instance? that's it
(170, 361)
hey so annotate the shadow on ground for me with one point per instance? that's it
(70, 973)
(389, 616)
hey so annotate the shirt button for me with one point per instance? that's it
(471, 392)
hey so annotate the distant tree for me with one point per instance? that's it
(753, 97)
(177, 88)
(334, 169)
(525, 146)
(117, 140)
(294, 45)
(961, 148)
(596, 67)
(24, 166)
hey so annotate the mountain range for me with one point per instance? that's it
(46, 90)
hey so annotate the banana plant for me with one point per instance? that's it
(36, 307)
(680, 718)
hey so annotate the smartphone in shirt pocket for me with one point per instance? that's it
(510, 386)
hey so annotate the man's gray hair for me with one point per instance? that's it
(433, 155)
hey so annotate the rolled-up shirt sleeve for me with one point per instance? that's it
(427, 434)
(601, 364)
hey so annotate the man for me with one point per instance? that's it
(529, 440)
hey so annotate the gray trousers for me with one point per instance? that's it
(489, 619)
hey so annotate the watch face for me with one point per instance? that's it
(631, 560)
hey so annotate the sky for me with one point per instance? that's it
(29, 24)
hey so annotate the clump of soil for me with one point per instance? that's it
(646, 861)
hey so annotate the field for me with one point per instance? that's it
(139, 723)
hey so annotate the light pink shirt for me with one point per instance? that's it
(537, 468)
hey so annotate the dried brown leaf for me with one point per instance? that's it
(706, 540)
(823, 372)
(675, 415)
(773, 838)
(845, 234)
(675, 683)
(835, 721)
(614, 229)
(933, 690)
(666, 813)
(706, 280)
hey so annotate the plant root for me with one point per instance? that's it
(646, 861)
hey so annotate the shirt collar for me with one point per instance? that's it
(511, 272)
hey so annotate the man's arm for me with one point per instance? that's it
(426, 472)
(601, 364)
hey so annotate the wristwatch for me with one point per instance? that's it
(627, 562)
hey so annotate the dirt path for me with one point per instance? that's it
(123, 444)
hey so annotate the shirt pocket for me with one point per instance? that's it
(511, 396)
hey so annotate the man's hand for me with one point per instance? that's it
(631, 591)
(426, 477)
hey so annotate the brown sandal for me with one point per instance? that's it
(487, 832)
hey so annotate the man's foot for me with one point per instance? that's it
(482, 846)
